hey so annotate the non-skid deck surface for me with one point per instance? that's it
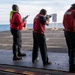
(59, 60)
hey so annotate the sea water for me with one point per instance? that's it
(5, 27)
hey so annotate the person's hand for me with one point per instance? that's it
(24, 20)
(47, 22)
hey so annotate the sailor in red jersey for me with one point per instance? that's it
(39, 40)
(16, 25)
(69, 32)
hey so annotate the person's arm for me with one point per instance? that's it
(19, 20)
(44, 21)
(47, 22)
(74, 16)
(74, 21)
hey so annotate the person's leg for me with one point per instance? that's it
(70, 40)
(35, 48)
(19, 42)
(43, 49)
(15, 46)
(67, 36)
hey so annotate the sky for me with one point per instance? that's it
(33, 7)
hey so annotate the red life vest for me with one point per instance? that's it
(16, 21)
(68, 20)
(37, 26)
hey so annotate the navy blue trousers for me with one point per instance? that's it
(70, 40)
(17, 41)
(39, 42)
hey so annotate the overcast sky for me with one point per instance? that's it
(32, 7)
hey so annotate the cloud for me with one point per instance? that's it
(32, 7)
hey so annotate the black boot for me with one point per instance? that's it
(21, 54)
(47, 62)
(17, 58)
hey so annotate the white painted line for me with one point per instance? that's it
(32, 46)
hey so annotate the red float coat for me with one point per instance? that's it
(37, 26)
(16, 21)
(69, 21)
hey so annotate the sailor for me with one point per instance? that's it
(69, 32)
(16, 25)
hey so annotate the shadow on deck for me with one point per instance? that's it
(59, 61)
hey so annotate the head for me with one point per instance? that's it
(73, 6)
(15, 7)
(43, 12)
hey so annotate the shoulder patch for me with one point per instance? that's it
(68, 13)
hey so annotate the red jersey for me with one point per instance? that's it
(69, 21)
(16, 21)
(38, 27)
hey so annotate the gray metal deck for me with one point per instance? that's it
(59, 60)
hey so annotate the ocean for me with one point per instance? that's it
(5, 27)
